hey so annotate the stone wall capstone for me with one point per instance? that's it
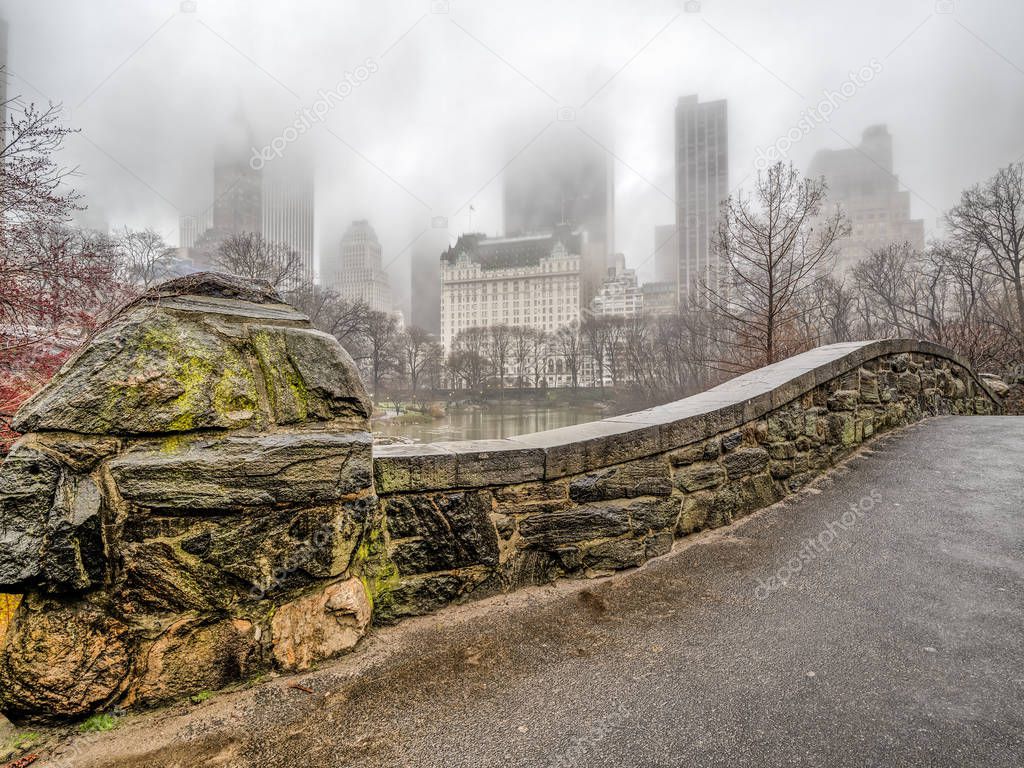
(195, 499)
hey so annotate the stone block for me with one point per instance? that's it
(436, 532)
(63, 658)
(74, 557)
(575, 525)
(530, 493)
(417, 595)
(707, 450)
(644, 477)
(232, 473)
(398, 468)
(653, 514)
(695, 477)
(868, 387)
(320, 625)
(731, 441)
(28, 484)
(745, 461)
(613, 555)
(844, 400)
(908, 383)
(192, 656)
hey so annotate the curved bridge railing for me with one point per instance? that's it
(493, 515)
(196, 499)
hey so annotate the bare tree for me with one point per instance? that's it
(770, 246)
(31, 180)
(251, 255)
(569, 343)
(539, 349)
(833, 302)
(468, 360)
(415, 345)
(145, 257)
(332, 314)
(380, 330)
(521, 348)
(596, 332)
(990, 219)
(500, 338)
(614, 326)
(885, 278)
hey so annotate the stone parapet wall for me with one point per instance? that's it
(478, 517)
(196, 499)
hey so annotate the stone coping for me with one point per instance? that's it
(571, 450)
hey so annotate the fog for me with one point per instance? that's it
(454, 92)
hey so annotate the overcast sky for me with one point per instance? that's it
(459, 88)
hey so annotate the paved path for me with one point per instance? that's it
(898, 639)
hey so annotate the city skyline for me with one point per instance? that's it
(448, 161)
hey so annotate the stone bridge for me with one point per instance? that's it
(196, 499)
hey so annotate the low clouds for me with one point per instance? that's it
(464, 88)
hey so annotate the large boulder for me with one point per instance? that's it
(201, 465)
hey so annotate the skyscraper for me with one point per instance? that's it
(702, 183)
(275, 201)
(358, 274)
(237, 191)
(425, 276)
(287, 214)
(192, 227)
(565, 178)
(666, 253)
(862, 182)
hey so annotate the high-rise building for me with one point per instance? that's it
(287, 216)
(276, 202)
(192, 227)
(659, 298)
(619, 293)
(666, 253)
(425, 280)
(532, 281)
(862, 182)
(702, 183)
(565, 178)
(237, 192)
(358, 273)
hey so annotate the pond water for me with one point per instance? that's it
(492, 421)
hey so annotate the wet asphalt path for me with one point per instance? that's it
(897, 639)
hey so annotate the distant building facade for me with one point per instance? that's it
(287, 217)
(862, 182)
(192, 227)
(666, 253)
(702, 183)
(659, 298)
(532, 281)
(425, 280)
(619, 293)
(237, 192)
(357, 274)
